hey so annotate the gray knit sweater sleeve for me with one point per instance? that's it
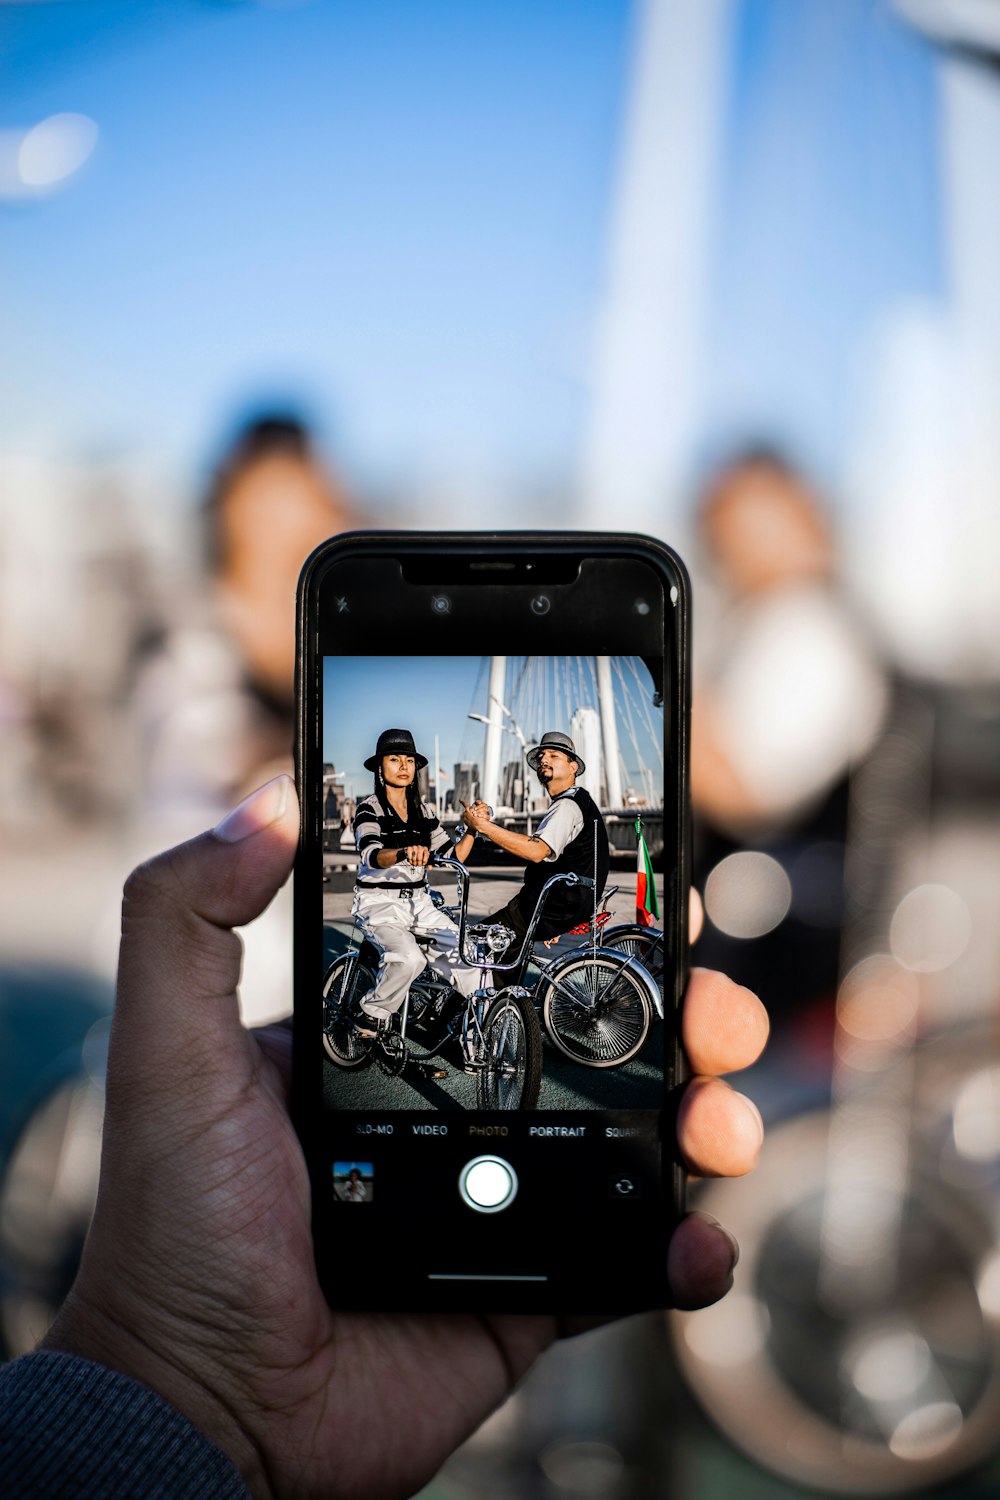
(73, 1429)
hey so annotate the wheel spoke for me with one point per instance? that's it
(346, 985)
(597, 1012)
(504, 1069)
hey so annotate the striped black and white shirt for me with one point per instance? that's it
(377, 826)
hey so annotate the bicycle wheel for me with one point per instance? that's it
(512, 1074)
(345, 985)
(642, 943)
(391, 1052)
(595, 1009)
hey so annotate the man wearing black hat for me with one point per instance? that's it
(396, 833)
(570, 839)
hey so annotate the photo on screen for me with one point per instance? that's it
(353, 1181)
(493, 857)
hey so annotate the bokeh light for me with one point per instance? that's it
(54, 149)
(930, 929)
(748, 894)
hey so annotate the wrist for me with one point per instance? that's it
(167, 1361)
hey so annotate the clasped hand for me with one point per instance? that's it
(476, 815)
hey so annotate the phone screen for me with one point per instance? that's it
(493, 917)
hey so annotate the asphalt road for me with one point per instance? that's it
(565, 1085)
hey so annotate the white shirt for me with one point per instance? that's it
(560, 825)
(797, 698)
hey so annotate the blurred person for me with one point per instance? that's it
(196, 1355)
(789, 695)
(208, 684)
(215, 696)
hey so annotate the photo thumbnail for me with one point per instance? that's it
(353, 1181)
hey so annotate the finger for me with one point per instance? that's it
(179, 965)
(696, 916)
(719, 1132)
(723, 1025)
(701, 1258)
(700, 1261)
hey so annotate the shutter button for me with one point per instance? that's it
(488, 1184)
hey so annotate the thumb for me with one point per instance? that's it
(179, 964)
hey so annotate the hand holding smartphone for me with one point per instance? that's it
(208, 1296)
(491, 915)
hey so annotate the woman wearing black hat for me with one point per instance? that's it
(396, 833)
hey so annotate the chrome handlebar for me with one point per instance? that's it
(448, 862)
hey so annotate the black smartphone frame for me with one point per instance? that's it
(464, 557)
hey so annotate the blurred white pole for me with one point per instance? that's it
(928, 478)
(971, 98)
(647, 375)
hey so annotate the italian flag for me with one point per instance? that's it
(647, 910)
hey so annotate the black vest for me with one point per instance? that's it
(564, 905)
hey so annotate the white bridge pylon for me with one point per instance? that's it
(562, 704)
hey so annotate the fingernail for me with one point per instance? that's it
(751, 1106)
(734, 1246)
(262, 808)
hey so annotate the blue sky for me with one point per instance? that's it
(829, 214)
(427, 695)
(392, 211)
(434, 694)
(398, 216)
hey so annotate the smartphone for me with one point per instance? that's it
(491, 896)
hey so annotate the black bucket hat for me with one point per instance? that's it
(554, 739)
(394, 742)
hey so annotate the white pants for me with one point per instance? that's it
(389, 921)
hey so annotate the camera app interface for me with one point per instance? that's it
(493, 856)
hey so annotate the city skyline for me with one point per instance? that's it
(446, 697)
